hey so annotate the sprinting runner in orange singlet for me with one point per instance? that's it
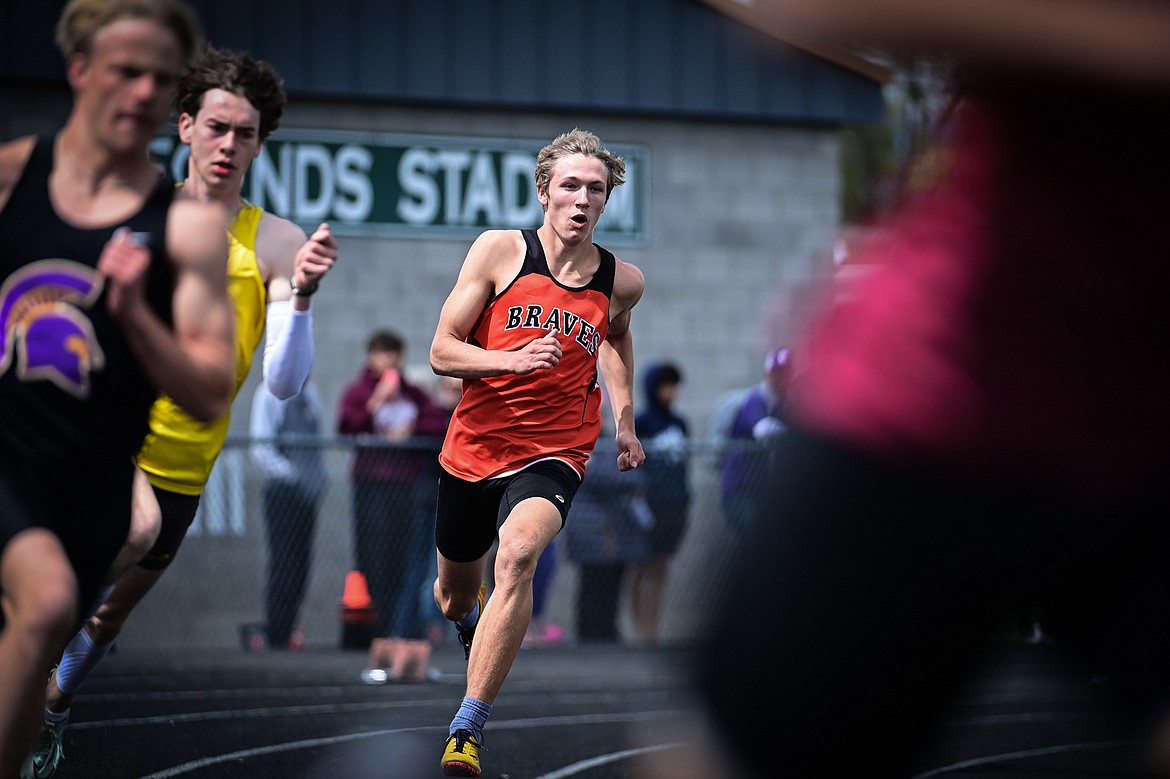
(533, 317)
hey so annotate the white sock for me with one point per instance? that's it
(56, 717)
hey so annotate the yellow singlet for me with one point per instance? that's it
(179, 450)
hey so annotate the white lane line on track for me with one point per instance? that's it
(272, 749)
(613, 757)
(528, 722)
(340, 708)
(239, 714)
(1008, 757)
(540, 686)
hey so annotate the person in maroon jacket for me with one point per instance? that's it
(390, 465)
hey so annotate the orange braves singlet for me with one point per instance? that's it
(505, 423)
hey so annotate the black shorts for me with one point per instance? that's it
(468, 514)
(178, 512)
(91, 528)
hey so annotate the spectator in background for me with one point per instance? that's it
(540, 632)
(417, 604)
(603, 534)
(761, 416)
(286, 452)
(391, 478)
(664, 434)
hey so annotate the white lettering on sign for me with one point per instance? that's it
(467, 186)
(356, 192)
(311, 158)
(270, 190)
(483, 194)
(452, 163)
(310, 184)
(436, 186)
(518, 190)
(419, 202)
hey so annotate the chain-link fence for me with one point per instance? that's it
(255, 554)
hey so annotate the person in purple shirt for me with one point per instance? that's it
(760, 417)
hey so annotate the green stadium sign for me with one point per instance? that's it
(442, 187)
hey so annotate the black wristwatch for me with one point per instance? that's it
(300, 292)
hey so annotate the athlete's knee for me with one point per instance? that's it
(46, 614)
(516, 562)
(41, 590)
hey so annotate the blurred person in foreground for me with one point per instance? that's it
(227, 104)
(532, 318)
(112, 290)
(985, 418)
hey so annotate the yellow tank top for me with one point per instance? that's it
(179, 450)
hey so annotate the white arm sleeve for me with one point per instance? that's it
(288, 348)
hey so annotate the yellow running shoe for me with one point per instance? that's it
(467, 634)
(461, 755)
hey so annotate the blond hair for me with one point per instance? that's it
(578, 141)
(81, 21)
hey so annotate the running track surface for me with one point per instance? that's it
(570, 712)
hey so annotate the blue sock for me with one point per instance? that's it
(81, 657)
(472, 715)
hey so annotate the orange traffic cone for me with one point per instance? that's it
(357, 612)
(356, 594)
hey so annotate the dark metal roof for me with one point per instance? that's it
(645, 57)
